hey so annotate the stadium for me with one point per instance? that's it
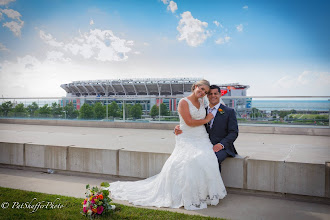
(147, 92)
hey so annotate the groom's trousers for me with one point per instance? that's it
(221, 155)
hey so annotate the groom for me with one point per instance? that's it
(222, 129)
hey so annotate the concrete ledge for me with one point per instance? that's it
(327, 179)
(53, 157)
(241, 172)
(12, 153)
(233, 172)
(101, 161)
(305, 179)
(257, 129)
(294, 130)
(141, 164)
(265, 175)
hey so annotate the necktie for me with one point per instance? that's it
(210, 122)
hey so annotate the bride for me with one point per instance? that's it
(190, 177)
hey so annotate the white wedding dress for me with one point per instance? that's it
(190, 177)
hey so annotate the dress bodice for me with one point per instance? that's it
(196, 114)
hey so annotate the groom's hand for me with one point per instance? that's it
(217, 147)
(177, 130)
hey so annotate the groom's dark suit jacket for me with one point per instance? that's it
(224, 129)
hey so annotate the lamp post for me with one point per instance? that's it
(159, 103)
(107, 97)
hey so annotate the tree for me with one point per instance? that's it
(99, 110)
(6, 107)
(86, 111)
(282, 114)
(45, 111)
(136, 111)
(113, 109)
(163, 109)
(20, 111)
(31, 109)
(70, 111)
(128, 108)
(57, 110)
(154, 111)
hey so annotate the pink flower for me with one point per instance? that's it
(100, 209)
(92, 201)
(84, 209)
(85, 201)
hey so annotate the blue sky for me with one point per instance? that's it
(277, 47)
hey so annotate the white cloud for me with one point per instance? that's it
(3, 48)
(11, 13)
(97, 44)
(192, 30)
(224, 40)
(15, 27)
(57, 56)
(27, 76)
(239, 28)
(245, 7)
(316, 80)
(5, 2)
(91, 22)
(216, 23)
(220, 40)
(304, 77)
(227, 38)
(172, 6)
(48, 38)
(165, 1)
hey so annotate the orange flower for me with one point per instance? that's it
(100, 197)
(221, 111)
(94, 210)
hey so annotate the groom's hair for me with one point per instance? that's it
(215, 87)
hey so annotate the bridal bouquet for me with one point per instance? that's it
(97, 201)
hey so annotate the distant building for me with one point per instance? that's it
(147, 92)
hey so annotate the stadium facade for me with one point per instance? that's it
(147, 92)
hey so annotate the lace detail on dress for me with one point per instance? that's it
(190, 177)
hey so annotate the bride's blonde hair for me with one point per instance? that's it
(200, 83)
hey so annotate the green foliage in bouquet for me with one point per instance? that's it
(97, 201)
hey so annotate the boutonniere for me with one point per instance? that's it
(221, 111)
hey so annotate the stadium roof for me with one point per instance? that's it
(148, 86)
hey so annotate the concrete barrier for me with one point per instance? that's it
(92, 160)
(45, 156)
(305, 179)
(263, 129)
(12, 153)
(241, 172)
(265, 175)
(327, 179)
(233, 172)
(141, 164)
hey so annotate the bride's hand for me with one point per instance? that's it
(209, 117)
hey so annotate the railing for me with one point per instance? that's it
(286, 110)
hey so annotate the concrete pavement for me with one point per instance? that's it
(233, 206)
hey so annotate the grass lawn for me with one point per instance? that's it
(309, 116)
(71, 208)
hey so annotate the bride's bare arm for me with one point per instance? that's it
(184, 111)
